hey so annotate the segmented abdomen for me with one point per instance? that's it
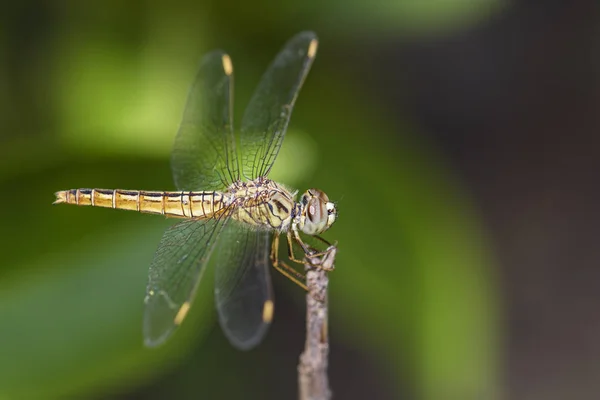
(171, 204)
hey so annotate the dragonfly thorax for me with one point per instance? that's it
(263, 204)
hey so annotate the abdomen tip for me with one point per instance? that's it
(61, 197)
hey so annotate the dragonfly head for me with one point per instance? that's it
(317, 212)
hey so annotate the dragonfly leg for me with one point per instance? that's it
(285, 269)
(308, 251)
(324, 241)
(291, 249)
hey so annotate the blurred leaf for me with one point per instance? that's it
(123, 102)
(129, 95)
(413, 16)
(355, 18)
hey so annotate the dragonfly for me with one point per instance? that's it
(227, 203)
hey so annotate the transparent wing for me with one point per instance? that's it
(204, 156)
(243, 292)
(266, 118)
(175, 273)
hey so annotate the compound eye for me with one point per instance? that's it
(318, 194)
(316, 211)
(311, 211)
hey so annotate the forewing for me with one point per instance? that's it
(175, 273)
(243, 291)
(268, 113)
(204, 156)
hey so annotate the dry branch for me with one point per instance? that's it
(312, 369)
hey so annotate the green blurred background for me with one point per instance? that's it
(429, 122)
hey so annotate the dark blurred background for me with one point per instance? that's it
(458, 137)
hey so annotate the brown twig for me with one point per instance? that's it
(312, 369)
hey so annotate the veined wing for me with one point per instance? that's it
(204, 156)
(175, 273)
(268, 113)
(243, 292)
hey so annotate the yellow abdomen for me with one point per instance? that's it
(171, 204)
